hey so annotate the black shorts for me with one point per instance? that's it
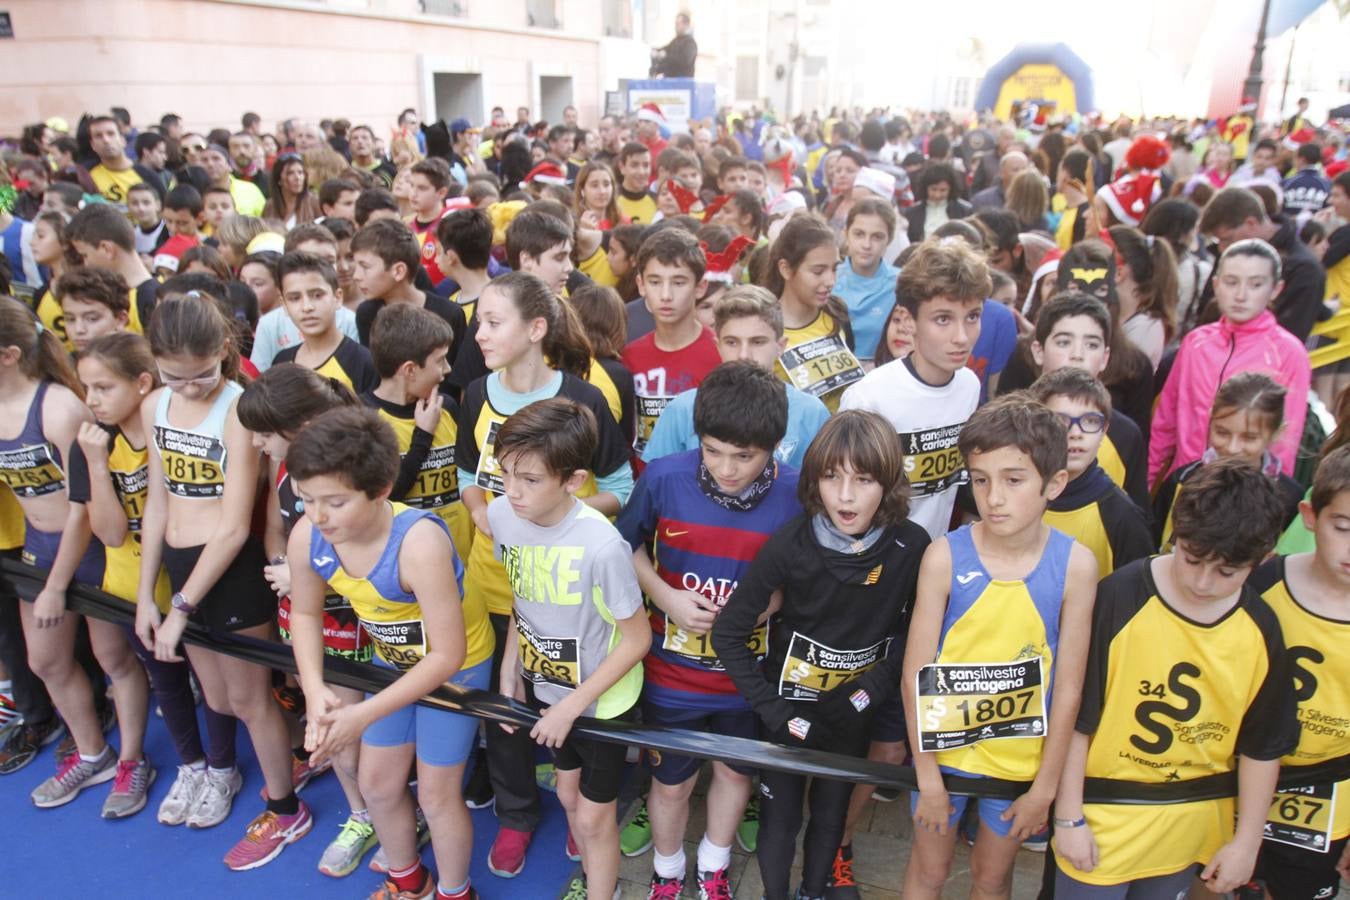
(672, 768)
(1292, 873)
(888, 722)
(241, 599)
(601, 763)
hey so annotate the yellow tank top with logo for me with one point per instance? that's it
(130, 469)
(390, 614)
(437, 484)
(819, 362)
(53, 317)
(1316, 647)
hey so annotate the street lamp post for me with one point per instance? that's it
(1251, 88)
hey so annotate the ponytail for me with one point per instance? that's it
(286, 396)
(565, 345)
(1153, 266)
(42, 357)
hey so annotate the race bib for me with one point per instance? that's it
(131, 490)
(811, 668)
(401, 644)
(821, 366)
(194, 464)
(649, 409)
(489, 474)
(437, 483)
(548, 660)
(1302, 817)
(31, 471)
(932, 461)
(960, 704)
(697, 646)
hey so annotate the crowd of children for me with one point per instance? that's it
(655, 433)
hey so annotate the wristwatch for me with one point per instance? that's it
(180, 602)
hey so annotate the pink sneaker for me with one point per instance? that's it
(573, 851)
(266, 837)
(507, 857)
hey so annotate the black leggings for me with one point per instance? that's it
(780, 818)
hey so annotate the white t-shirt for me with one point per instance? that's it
(929, 420)
(1148, 334)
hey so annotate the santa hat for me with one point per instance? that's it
(1147, 152)
(715, 207)
(650, 112)
(1049, 266)
(1130, 197)
(685, 198)
(783, 165)
(1335, 168)
(1298, 138)
(546, 173)
(878, 182)
(787, 203)
(721, 264)
(167, 256)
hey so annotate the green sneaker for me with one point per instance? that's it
(747, 833)
(546, 777)
(576, 890)
(345, 853)
(636, 837)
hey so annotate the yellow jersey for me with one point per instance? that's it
(819, 360)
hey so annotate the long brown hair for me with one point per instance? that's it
(604, 317)
(1153, 267)
(125, 354)
(286, 396)
(799, 237)
(612, 207)
(194, 325)
(41, 356)
(565, 345)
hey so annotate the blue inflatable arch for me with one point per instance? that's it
(1056, 55)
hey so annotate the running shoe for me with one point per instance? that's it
(290, 699)
(507, 856)
(546, 777)
(267, 836)
(380, 863)
(391, 891)
(636, 837)
(215, 798)
(344, 854)
(478, 790)
(747, 833)
(573, 851)
(303, 771)
(74, 774)
(25, 742)
(182, 796)
(130, 790)
(576, 890)
(9, 713)
(714, 885)
(841, 885)
(665, 888)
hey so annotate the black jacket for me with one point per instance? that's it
(916, 214)
(678, 61)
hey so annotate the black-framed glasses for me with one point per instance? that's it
(1088, 423)
(289, 157)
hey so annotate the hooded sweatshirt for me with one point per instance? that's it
(1210, 355)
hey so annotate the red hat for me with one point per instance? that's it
(650, 112)
(1335, 168)
(683, 196)
(720, 264)
(547, 173)
(167, 256)
(1130, 197)
(1147, 152)
(1049, 266)
(1298, 138)
(715, 206)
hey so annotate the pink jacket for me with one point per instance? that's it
(1210, 355)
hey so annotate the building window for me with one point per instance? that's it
(542, 14)
(618, 18)
(456, 8)
(961, 93)
(747, 78)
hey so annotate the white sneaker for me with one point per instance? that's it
(216, 797)
(174, 809)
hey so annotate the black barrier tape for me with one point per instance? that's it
(743, 751)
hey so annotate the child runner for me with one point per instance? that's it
(1304, 852)
(144, 208)
(203, 477)
(846, 569)
(118, 370)
(1187, 677)
(748, 325)
(1246, 420)
(465, 238)
(430, 184)
(51, 249)
(1092, 509)
(40, 405)
(386, 262)
(409, 601)
(928, 395)
(103, 237)
(819, 357)
(996, 649)
(865, 279)
(275, 330)
(578, 633)
(695, 522)
(274, 408)
(536, 349)
(94, 302)
(635, 202)
(681, 351)
(309, 290)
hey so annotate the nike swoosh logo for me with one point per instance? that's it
(671, 534)
(967, 578)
